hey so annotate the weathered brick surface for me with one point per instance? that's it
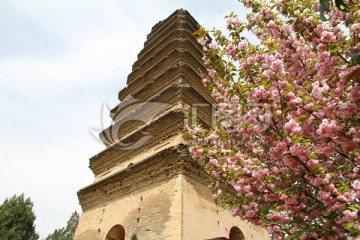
(178, 96)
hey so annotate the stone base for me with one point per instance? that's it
(179, 208)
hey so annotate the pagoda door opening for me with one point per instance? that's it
(117, 232)
(236, 234)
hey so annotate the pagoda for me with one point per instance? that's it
(146, 183)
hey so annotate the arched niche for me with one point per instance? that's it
(236, 234)
(117, 232)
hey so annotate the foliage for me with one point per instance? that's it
(17, 219)
(287, 125)
(134, 237)
(68, 232)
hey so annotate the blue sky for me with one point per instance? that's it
(60, 61)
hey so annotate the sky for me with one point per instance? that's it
(60, 62)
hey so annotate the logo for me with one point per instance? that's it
(130, 111)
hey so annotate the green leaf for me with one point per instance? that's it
(349, 225)
(341, 6)
(352, 208)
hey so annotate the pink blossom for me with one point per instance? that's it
(281, 74)
(212, 151)
(312, 235)
(198, 152)
(356, 28)
(278, 150)
(235, 212)
(230, 51)
(350, 215)
(249, 194)
(271, 24)
(273, 229)
(294, 102)
(289, 144)
(327, 148)
(265, 118)
(327, 36)
(230, 21)
(216, 174)
(354, 94)
(247, 188)
(222, 106)
(346, 197)
(213, 45)
(282, 84)
(275, 94)
(203, 41)
(250, 214)
(243, 45)
(349, 144)
(324, 57)
(214, 162)
(237, 22)
(316, 181)
(278, 216)
(250, 117)
(312, 163)
(321, 47)
(216, 95)
(348, 108)
(290, 162)
(268, 73)
(277, 65)
(327, 128)
(356, 185)
(292, 127)
(324, 195)
(211, 73)
(309, 106)
(290, 95)
(234, 21)
(250, 60)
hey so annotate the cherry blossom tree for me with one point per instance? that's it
(284, 153)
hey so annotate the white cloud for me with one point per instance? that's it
(96, 52)
(95, 59)
(50, 176)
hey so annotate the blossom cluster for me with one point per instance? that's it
(291, 103)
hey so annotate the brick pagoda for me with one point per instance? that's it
(146, 183)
